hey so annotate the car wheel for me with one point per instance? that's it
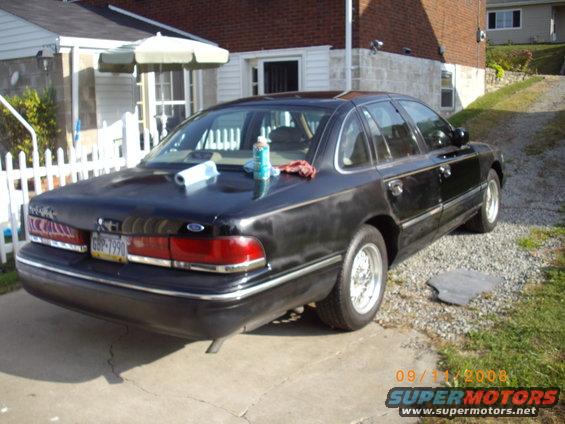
(486, 218)
(359, 290)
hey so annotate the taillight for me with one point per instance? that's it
(56, 234)
(149, 250)
(222, 254)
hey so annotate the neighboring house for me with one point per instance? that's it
(285, 45)
(525, 22)
(70, 36)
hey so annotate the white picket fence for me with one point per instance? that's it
(109, 155)
(58, 169)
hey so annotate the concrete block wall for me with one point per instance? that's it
(420, 78)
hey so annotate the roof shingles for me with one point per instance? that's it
(79, 20)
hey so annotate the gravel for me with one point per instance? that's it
(531, 198)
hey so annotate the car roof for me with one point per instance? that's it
(331, 99)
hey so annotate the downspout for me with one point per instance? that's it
(348, 43)
(75, 69)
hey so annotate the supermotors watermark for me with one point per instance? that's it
(451, 402)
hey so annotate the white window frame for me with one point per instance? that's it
(505, 10)
(452, 70)
(258, 60)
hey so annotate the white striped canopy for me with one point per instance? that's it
(162, 53)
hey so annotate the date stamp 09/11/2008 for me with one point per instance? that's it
(435, 376)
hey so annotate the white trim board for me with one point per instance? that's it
(314, 63)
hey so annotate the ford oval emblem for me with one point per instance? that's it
(195, 228)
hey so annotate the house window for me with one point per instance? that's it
(505, 19)
(447, 89)
(176, 93)
(254, 81)
(281, 76)
(273, 75)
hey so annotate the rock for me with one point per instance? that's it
(460, 286)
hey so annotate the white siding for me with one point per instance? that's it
(230, 79)
(19, 38)
(114, 97)
(315, 70)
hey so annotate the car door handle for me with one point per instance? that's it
(395, 187)
(445, 171)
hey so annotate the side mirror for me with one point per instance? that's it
(460, 137)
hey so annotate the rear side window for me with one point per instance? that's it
(383, 151)
(399, 139)
(353, 149)
(434, 129)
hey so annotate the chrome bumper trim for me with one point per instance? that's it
(234, 295)
(81, 248)
(223, 269)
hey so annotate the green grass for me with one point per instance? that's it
(529, 341)
(549, 136)
(547, 58)
(8, 278)
(488, 102)
(538, 236)
(493, 109)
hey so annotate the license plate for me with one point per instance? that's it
(109, 247)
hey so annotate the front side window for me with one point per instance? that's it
(353, 150)
(504, 19)
(396, 131)
(227, 135)
(435, 131)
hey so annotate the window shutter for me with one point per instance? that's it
(516, 18)
(492, 20)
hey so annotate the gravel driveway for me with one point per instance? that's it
(531, 198)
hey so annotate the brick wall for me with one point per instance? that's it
(423, 26)
(248, 25)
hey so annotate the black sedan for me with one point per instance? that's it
(232, 253)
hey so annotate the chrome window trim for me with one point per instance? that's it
(234, 295)
(81, 248)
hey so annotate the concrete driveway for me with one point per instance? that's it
(60, 366)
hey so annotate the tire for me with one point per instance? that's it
(338, 310)
(487, 217)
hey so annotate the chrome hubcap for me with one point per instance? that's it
(491, 201)
(366, 278)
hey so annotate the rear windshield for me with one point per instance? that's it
(226, 136)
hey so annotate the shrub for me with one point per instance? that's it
(499, 70)
(513, 60)
(39, 109)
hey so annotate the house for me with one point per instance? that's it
(431, 49)
(525, 22)
(55, 43)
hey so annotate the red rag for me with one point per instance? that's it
(300, 167)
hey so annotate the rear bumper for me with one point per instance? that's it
(190, 315)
